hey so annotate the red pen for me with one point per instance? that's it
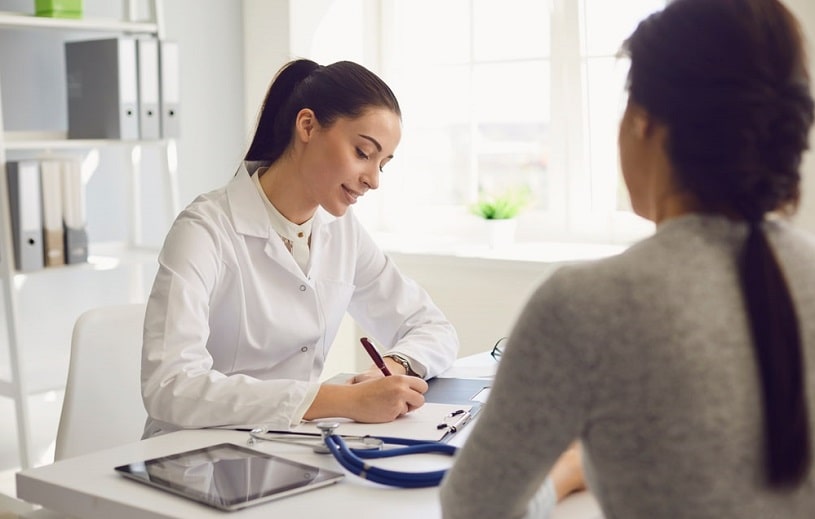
(375, 356)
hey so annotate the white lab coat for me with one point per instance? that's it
(237, 334)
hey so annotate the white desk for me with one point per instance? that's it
(87, 487)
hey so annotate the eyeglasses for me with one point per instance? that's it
(498, 349)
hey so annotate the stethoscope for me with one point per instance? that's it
(369, 447)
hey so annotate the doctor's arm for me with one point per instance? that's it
(400, 314)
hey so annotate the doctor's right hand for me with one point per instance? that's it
(378, 400)
(385, 399)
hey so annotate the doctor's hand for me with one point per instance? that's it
(378, 400)
(384, 399)
(374, 372)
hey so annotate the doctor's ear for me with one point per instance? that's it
(305, 123)
(641, 123)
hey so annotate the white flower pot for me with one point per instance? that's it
(501, 233)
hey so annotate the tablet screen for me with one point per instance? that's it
(229, 476)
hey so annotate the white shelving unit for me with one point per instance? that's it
(18, 386)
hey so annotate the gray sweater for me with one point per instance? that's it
(647, 358)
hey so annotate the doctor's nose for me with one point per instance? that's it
(370, 178)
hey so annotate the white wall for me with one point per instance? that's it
(213, 136)
(805, 11)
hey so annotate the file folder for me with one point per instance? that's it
(102, 89)
(170, 92)
(148, 72)
(52, 231)
(26, 213)
(73, 213)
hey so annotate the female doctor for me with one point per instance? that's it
(254, 278)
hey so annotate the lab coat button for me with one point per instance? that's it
(304, 349)
(302, 288)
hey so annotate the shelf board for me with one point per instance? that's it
(60, 141)
(101, 256)
(28, 21)
(41, 385)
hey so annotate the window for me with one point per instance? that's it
(509, 94)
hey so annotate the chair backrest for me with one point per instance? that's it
(103, 405)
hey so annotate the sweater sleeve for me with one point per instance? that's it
(535, 410)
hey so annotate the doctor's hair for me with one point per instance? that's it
(342, 89)
(728, 79)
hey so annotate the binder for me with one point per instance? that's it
(102, 89)
(456, 390)
(170, 91)
(73, 213)
(26, 213)
(53, 235)
(148, 74)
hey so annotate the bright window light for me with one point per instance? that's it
(503, 95)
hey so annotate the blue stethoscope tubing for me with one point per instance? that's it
(352, 460)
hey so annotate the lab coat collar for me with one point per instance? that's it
(250, 218)
(249, 213)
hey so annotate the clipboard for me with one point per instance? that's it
(462, 391)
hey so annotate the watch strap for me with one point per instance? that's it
(404, 362)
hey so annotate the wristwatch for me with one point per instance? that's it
(404, 362)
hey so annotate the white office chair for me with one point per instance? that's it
(103, 406)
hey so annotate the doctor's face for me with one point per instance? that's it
(343, 161)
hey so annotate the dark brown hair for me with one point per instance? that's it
(728, 78)
(342, 89)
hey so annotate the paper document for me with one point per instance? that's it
(442, 390)
(431, 422)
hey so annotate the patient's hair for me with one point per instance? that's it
(342, 89)
(728, 78)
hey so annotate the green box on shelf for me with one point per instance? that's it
(59, 8)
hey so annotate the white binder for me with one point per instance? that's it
(148, 71)
(26, 213)
(170, 92)
(102, 89)
(52, 231)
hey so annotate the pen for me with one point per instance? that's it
(458, 424)
(375, 356)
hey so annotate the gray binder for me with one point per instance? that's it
(102, 89)
(73, 212)
(149, 117)
(26, 213)
(170, 92)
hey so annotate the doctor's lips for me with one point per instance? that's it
(353, 195)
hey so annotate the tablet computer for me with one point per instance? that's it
(228, 476)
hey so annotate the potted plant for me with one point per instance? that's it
(500, 212)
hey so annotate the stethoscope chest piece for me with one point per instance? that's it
(326, 429)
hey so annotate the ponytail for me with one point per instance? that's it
(273, 131)
(778, 350)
